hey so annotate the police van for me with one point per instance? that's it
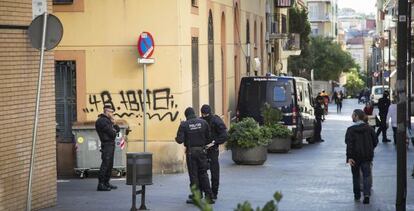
(291, 95)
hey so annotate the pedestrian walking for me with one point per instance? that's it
(218, 132)
(194, 133)
(360, 140)
(333, 99)
(392, 116)
(338, 101)
(383, 105)
(319, 111)
(107, 129)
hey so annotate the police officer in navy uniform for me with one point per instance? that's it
(107, 129)
(195, 134)
(383, 105)
(218, 132)
(319, 111)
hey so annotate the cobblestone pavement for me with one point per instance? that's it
(312, 178)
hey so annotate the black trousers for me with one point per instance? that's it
(365, 168)
(317, 130)
(213, 155)
(197, 165)
(338, 107)
(383, 127)
(107, 156)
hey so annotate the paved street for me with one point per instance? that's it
(312, 178)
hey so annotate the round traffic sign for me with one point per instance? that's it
(54, 32)
(376, 74)
(145, 45)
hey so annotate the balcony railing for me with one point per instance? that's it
(291, 43)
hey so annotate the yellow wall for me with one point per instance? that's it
(108, 33)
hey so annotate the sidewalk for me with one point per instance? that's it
(312, 178)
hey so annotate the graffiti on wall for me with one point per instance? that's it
(160, 104)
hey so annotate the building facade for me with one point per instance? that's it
(281, 43)
(19, 69)
(202, 49)
(323, 16)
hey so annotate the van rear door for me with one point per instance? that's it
(280, 95)
(251, 98)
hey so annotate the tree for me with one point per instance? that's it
(354, 82)
(329, 59)
(298, 23)
(321, 54)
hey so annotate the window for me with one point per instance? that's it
(284, 24)
(194, 3)
(279, 94)
(65, 92)
(195, 74)
(62, 1)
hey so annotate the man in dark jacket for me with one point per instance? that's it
(383, 105)
(218, 136)
(195, 134)
(319, 111)
(107, 129)
(360, 142)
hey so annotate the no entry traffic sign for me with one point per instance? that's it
(145, 45)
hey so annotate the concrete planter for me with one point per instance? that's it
(252, 156)
(280, 145)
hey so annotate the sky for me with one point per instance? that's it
(361, 6)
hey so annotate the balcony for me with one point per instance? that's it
(320, 18)
(291, 43)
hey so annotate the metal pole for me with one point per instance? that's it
(134, 184)
(389, 59)
(143, 207)
(145, 106)
(401, 88)
(383, 66)
(409, 76)
(39, 85)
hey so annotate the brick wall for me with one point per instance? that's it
(19, 64)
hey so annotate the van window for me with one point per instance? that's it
(279, 94)
(299, 92)
(378, 91)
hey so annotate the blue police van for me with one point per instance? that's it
(291, 95)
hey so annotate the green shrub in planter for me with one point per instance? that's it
(280, 131)
(248, 134)
(271, 115)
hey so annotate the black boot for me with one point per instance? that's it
(366, 200)
(103, 187)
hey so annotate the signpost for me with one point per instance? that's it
(401, 89)
(45, 33)
(145, 50)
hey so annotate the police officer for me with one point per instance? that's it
(218, 132)
(195, 134)
(319, 111)
(383, 105)
(107, 129)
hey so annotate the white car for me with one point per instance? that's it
(377, 92)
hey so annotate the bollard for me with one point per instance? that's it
(139, 172)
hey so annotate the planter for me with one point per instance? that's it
(281, 145)
(252, 156)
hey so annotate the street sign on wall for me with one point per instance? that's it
(145, 45)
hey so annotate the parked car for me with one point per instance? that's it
(377, 92)
(291, 95)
